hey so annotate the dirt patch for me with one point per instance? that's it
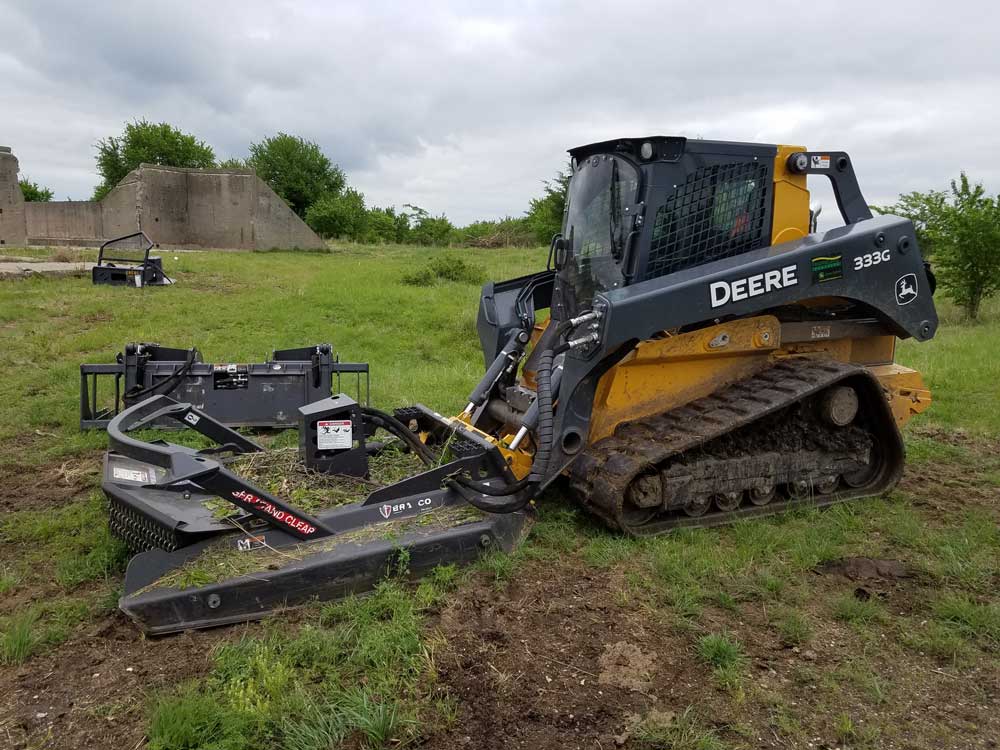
(553, 661)
(92, 692)
(624, 665)
(36, 487)
(867, 568)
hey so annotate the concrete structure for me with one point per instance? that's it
(13, 231)
(205, 208)
(25, 269)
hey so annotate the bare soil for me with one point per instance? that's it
(91, 692)
(33, 488)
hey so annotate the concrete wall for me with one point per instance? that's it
(120, 208)
(276, 225)
(12, 224)
(207, 208)
(221, 207)
(64, 220)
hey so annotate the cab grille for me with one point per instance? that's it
(720, 211)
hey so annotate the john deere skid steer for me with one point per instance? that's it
(692, 354)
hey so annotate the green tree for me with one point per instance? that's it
(339, 215)
(961, 231)
(145, 142)
(233, 163)
(33, 192)
(925, 210)
(545, 214)
(296, 169)
(387, 225)
(426, 229)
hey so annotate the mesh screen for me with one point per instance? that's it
(718, 212)
(130, 249)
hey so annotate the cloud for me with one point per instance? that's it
(465, 108)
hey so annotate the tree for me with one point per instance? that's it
(925, 210)
(386, 225)
(962, 231)
(339, 215)
(426, 229)
(145, 142)
(33, 192)
(296, 169)
(545, 215)
(233, 163)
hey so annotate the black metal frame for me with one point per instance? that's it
(296, 377)
(160, 482)
(148, 272)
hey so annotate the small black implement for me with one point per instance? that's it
(125, 261)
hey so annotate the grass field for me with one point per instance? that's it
(765, 634)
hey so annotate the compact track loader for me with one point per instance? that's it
(705, 357)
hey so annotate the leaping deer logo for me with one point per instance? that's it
(906, 289)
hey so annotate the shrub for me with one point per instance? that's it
(508, 232)
(445, 268)
(339, 215)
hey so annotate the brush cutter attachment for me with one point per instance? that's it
(213, 548)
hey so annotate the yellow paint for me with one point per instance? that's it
(790, 217)
(660, 374)
(904, 389)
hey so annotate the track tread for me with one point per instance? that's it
(601, 476)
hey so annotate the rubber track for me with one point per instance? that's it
(602, 474)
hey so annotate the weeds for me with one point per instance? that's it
(447, 267)
(859, 612)
(725, 656)
(343, 675)
(18, 638)
(973, 620)
(9, 579)
(793, 628)
(684, 732)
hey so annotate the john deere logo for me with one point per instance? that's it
(906, 289)
(385, 510)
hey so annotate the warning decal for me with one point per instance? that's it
(334, 434)
(819, 162)
(130, 475)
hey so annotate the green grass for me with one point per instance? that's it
(73, 540)
(420, 340)
(963, 381)
(353, 672)
(684, 732)
(18, 638)
(9, 579)
(860, 612)
(793, 628)
(725, 656)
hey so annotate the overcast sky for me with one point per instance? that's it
(465, 108)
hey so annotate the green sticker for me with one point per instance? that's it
(827, 268)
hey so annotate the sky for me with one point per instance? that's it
(466, 108)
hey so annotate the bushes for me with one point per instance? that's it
(445, 268)
(508, 232)
(339, 215)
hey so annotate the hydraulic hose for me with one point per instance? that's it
(515, 496)
(166, 386)
(393, 426)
